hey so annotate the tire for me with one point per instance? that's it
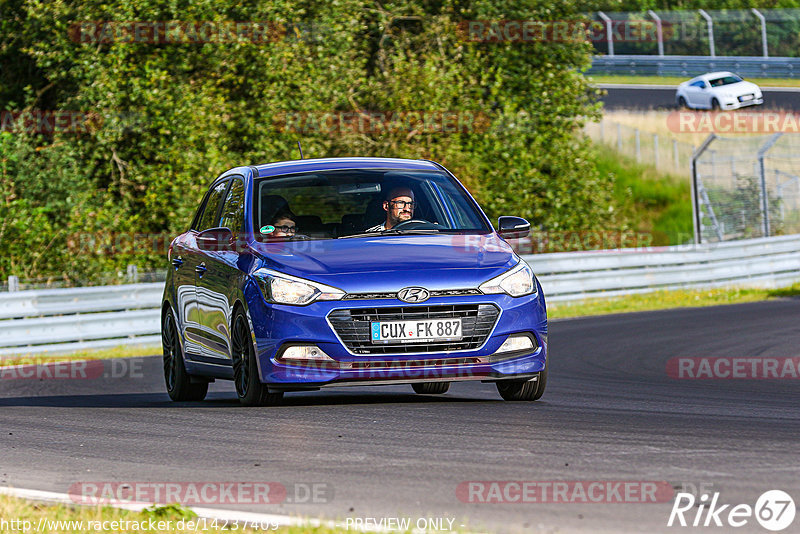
(525, 390)
(249, 389)
(431, 388)
(714, 104)
(179, 383)
(682, 103)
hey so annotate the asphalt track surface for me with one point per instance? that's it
(610, 413)
(663, 98)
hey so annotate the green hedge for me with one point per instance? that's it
(163, 119)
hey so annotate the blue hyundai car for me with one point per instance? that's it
(300, 275)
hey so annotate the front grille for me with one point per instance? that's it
(353, 327)
(412, 364)
(393, 294)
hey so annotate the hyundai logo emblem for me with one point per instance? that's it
(413, 294)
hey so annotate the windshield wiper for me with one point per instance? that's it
(419, 231)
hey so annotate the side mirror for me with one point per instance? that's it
(215, 239)
(513, 227)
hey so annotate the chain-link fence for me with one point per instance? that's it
(746, 187)
(731, 32)
(663, 152)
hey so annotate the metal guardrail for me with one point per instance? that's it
(690, 66)
(62, 320)
(763, 262)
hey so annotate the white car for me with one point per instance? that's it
(718, 90)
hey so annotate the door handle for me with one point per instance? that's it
(177, 262)
(201, 269)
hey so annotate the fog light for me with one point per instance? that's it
(305, 353)
(516, 343)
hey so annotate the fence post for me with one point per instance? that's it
(602, 130)
(609, 33)
(763, 175)
(675, 152)
(619, 138)
(638, 145)
(133, 274)
(655, 149)
(710, 31)
(697, 216)
(758, 14)
(13, 283)
(659, 33)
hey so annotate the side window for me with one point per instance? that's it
(209, 217)
(233, 209)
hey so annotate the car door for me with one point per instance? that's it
(696, 94)
(191, 262)
(217, 276)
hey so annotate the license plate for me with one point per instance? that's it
(416, 331)
(746, 97)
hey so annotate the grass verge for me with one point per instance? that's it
(98, 354)
(661, 300)
(674, 80)
(650, 202)
(19, 515)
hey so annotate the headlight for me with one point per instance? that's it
(517, 282)
(281, 288)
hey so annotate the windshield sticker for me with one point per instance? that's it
(268, 229)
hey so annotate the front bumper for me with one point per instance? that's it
(735, 103)
(278, 326)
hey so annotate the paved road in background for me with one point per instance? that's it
(610, 413)
(656, 97)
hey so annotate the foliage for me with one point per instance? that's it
(165, 118)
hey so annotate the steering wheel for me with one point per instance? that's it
(420, 224)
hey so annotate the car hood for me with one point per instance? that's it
(738, 88)
(390, 263)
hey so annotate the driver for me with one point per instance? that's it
(399, 207)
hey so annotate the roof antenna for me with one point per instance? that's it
(301, 149)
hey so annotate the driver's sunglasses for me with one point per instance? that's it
(287, 229)
(402, 204)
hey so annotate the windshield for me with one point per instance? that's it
(351, 203)
(725, 80)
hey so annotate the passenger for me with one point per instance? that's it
(399, 207)
(283, 225)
